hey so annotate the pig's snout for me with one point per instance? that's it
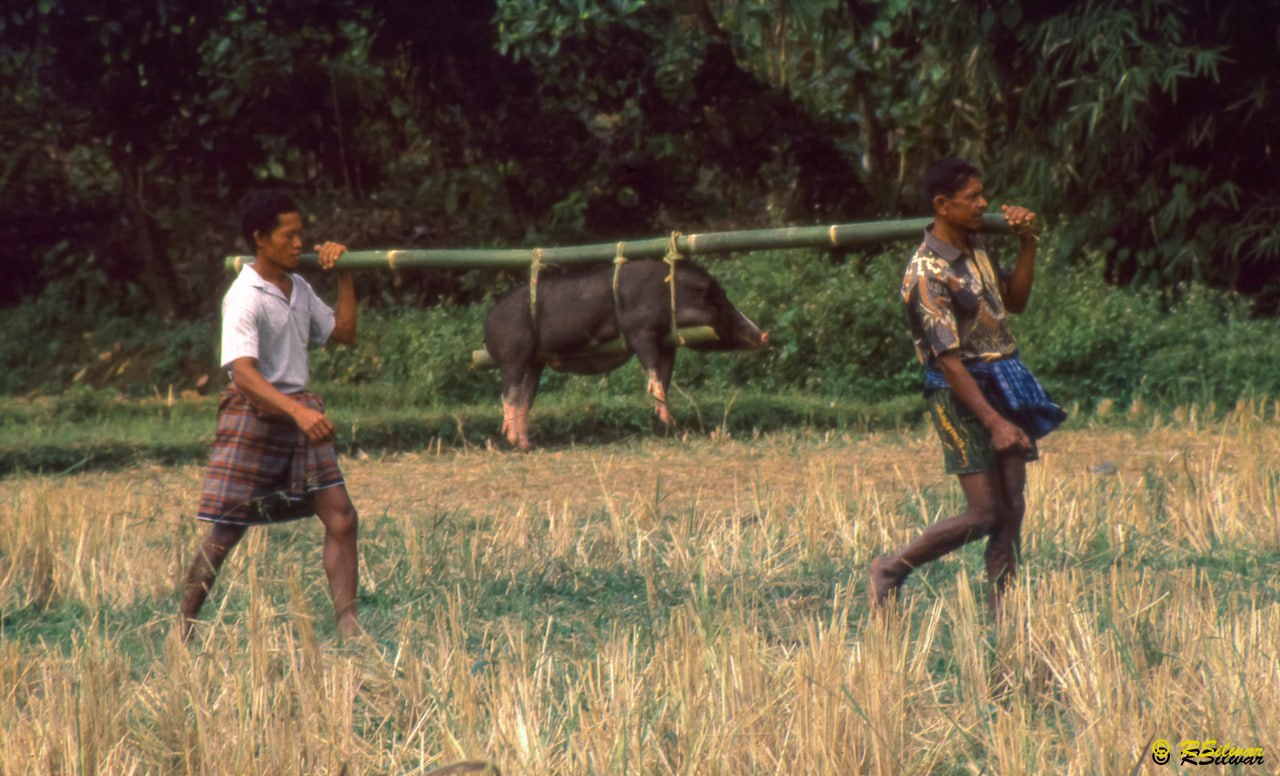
(746, 334)
(750, 337)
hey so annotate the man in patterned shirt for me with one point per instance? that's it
(985, 405)
(273, 458)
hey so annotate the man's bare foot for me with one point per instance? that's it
(349, 626)
(995, 607)
(884, 581)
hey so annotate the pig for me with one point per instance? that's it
(576, 309)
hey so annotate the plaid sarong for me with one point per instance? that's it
(1012, 390)
(262, 468)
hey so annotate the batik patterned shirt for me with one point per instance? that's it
(953, 302)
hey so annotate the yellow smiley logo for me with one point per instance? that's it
(1160, 751)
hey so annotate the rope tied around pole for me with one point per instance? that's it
(1030, 230)
(673, 255)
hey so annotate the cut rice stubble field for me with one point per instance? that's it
(658, 607)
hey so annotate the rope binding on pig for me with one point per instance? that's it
(673, 255)
(534, 269)
(618, 260)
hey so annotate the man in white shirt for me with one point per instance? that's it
(273, 458)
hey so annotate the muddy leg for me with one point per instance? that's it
(657, 363)
(659, 388)
(515, 402)
(659, 393)
(509, 419)
(528, 390)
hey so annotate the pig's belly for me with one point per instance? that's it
(589, 365)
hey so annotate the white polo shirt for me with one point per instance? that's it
(259, 322)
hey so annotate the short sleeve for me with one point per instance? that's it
(239, 327)
(320, 314)
(935, 314)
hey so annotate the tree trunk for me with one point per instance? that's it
(157, 278)
(707, 19)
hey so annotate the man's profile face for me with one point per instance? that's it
(965, 209)
(283, 246)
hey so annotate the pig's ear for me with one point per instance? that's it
(705, 285)
(713, 290)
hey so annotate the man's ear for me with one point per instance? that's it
(939, 202)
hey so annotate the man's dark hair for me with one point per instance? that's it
(946, 177)
(260, 212)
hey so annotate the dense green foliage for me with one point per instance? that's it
(840, 358)
(1141, 131)
(836, 331)
(132, 130)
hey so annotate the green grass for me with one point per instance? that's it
(86, 429)
(96, 431)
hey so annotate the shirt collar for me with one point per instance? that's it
(254, 279)
(260, 283)
(945, 250)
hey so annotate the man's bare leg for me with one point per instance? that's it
(204, 569)
(984, 508)
(1006, 537)
(341, 526)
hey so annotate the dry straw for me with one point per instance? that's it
(658, 607)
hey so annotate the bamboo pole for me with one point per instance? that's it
(693, 335)
(833, 236)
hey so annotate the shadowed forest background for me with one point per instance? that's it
(619, 601)
(1142, 132)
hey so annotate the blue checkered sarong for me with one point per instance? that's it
(1012, 390)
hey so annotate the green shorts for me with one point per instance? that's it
(966, 443)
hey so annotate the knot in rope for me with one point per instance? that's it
(673, 248)
(1033, 230)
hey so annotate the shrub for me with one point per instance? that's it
(836, 328)
(1090, 341)
(426, 353)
